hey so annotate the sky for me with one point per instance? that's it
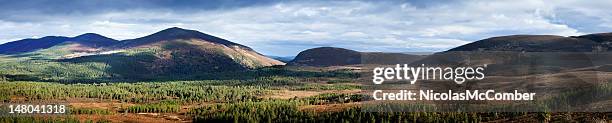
(284, 27)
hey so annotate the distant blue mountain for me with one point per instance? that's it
(282, 58)
(29, 45)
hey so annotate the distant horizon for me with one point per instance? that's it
(283, 28)
(289, 55)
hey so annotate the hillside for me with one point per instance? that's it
(94, 40)
(326, 56)
(331, 56)
(175, 33)
(541, 43)
(183, 47)
(170, 53)
(528, 54)
(29, 45)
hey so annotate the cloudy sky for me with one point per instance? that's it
(284, 28)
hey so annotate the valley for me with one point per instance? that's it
(181, 75)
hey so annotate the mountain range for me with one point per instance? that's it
(176, 46)
(541, 43)
(30, 45)
(170, 50)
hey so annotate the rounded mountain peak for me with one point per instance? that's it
(93, 39)
(178, 33)
(90, 36)
(326, 56)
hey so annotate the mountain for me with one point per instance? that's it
(178, 41)
(326, 56)
(597, 37)
(30, 45)
(528, 54)
(172, 53)
(176, 51)
(331, 56)
(94, 40)
(176, 33)
(541, 43)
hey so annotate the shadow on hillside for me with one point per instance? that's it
(182, 61)
(30, 55)
(119, 67)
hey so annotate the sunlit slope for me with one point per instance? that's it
(171, 53)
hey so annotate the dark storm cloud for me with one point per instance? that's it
(34, 10)
(96, 6)
(67, 6)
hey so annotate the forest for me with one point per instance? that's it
(96, 92)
